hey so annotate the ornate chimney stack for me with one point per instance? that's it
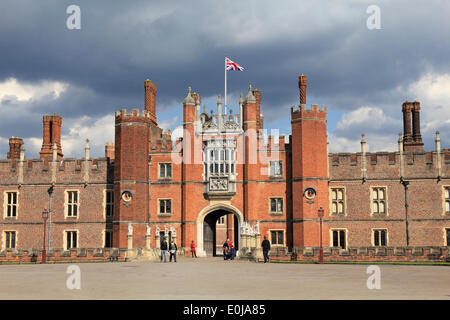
(14, 148)
(109, 151)
(51, 134)
(416, 122)
(302, 86)
(412, 139)
(150, 99)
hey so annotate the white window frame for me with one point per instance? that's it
(65, 238)
(269, 235)
(66, 203)
(385, 200)
(346, 237)
(159, 207)
(373, 237)
(280, 162)
(344, 200)
(445, 199)
(6, 204)
(4, 239)
(270, 205)
(165, 164)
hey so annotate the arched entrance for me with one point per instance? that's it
(207, 228)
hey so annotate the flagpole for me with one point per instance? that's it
(225, 104)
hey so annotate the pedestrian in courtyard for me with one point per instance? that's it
(164, 250)
(266, 248)
(229, 243)
(225, 250)
(193, 253)
(233, 252)
(173, 251)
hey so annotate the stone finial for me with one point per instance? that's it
(250, 97)
(241, 101)
(189, 99)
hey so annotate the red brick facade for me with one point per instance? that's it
(149, 186)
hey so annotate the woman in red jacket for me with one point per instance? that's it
(193, 253)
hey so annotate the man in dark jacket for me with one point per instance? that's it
(164, 250)
(173, 251)
(225, 250)
(266, 248)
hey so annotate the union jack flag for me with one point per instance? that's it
(231, 65)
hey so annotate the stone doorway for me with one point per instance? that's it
(213, 237)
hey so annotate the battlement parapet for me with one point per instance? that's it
(387, 164)
(135, 115)
(313, 112)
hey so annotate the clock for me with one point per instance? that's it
(310, 193)
(127, 196)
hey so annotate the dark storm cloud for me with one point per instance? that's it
(183, 43)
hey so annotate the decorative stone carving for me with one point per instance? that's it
(173, 231)
(130, 229)
(157, 231)
(148, 230)
(257, 228)
(218, 184)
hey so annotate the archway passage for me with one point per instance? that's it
(214, 235)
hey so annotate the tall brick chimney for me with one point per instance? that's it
(150, 99)
(302, 86)
(257, 95)
(14, 148)
(412, 139)
(416, 122)
(51, 134)
(109, 151)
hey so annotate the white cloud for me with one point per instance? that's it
(374, 142)
(98, 131)
(13, 89)
(168, 124)
(371, 118)
(433, 92)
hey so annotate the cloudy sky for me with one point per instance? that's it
(362, 75)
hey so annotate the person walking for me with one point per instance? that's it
(173, 251)
(193, 253)
(164, 250)
(225, 250)
(230, 244)
(266, 248)
(233, 252)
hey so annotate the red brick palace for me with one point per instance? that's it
(149, 186)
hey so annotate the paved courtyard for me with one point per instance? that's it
(213, 278)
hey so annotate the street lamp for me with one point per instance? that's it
(44, 252)
(320, 213)
(405, 185)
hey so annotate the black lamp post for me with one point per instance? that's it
(405, 184)
(320, 213)
(44, 251)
